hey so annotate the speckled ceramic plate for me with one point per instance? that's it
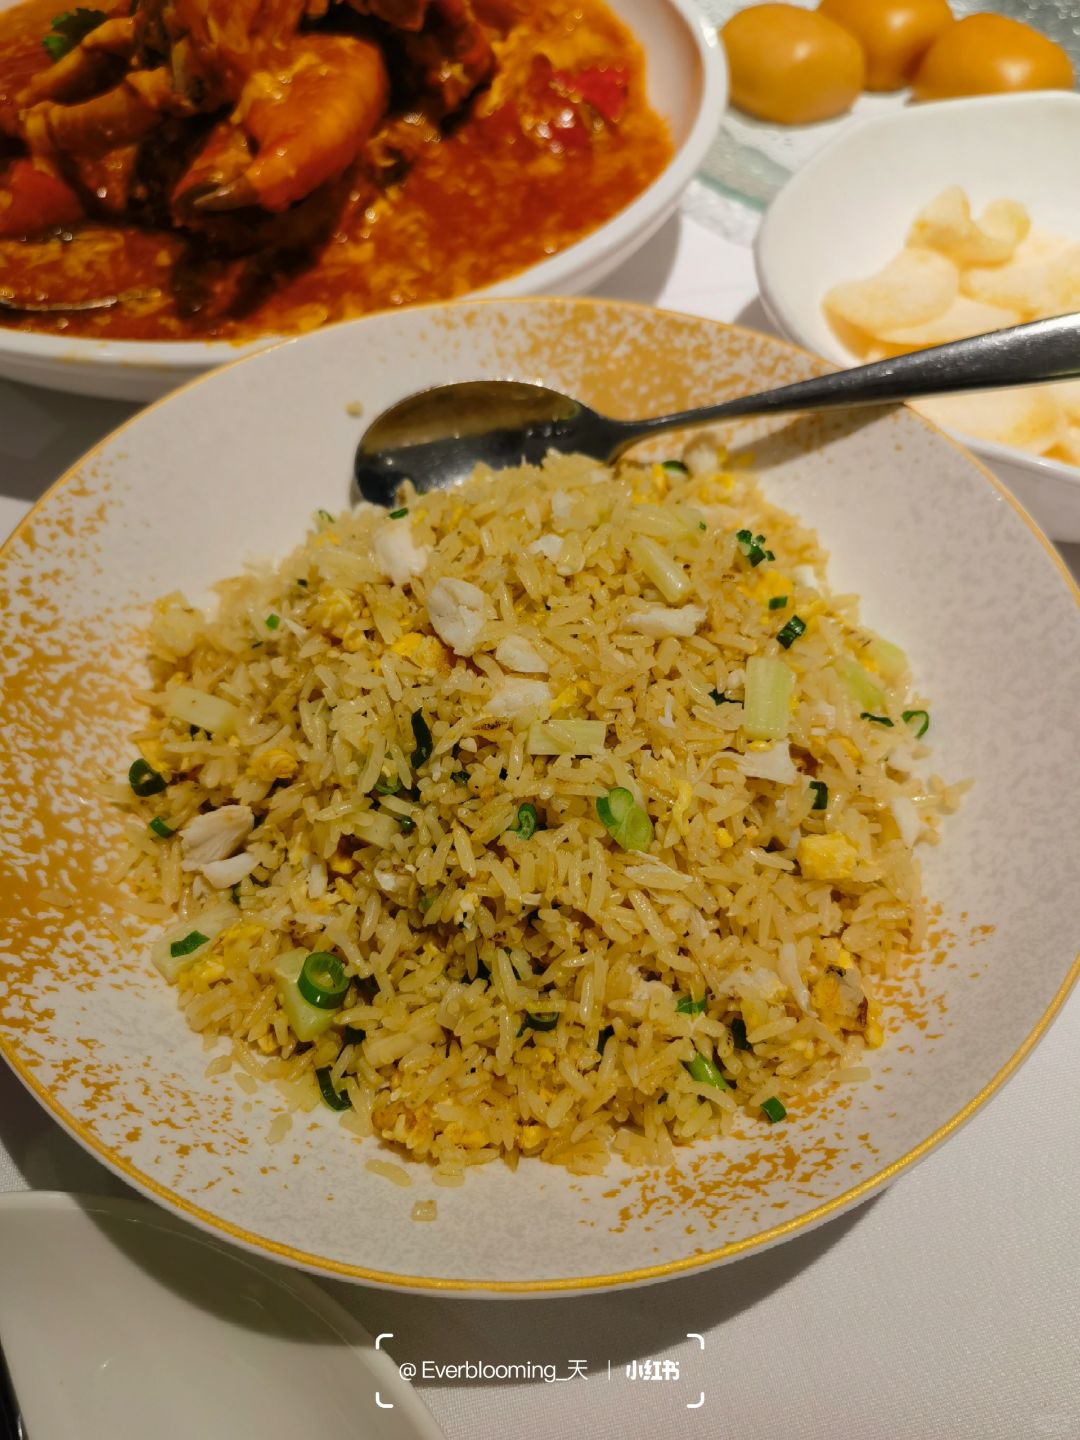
(232, 467)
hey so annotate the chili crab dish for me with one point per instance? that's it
(223, 169)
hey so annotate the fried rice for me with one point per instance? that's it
(595, 807)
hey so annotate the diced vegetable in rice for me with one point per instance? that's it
(502, 842)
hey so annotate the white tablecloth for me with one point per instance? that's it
(949, 1306)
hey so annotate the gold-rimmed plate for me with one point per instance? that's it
(232, 468)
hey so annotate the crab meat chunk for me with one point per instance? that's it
(223, 874)
(215, 835)
(519, 697)
(516, 653)
(548, 545)
(458, 612)
(663, 620)
(396, 555)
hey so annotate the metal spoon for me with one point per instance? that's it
(435, 438)
(11, 301)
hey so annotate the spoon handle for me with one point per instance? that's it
(1040, 351)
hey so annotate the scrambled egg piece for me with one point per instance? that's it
(276, 764)
(566, 698)
(772, 585)
(425, 651)
(724, 837)
(754, 1014)
(831, 952)
(531, 1137)
(354, 638)
(333, 611)
(826, 857)
(682, 804)
(154, 755)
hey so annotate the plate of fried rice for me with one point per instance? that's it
(579, 877)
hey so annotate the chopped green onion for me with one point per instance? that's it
(675, 467)
(752, 546)
(718, 697)
(398, 514)
(525, 827)
(791, 631)
(773, 1110)
(324, 518)
(624, 819)
(778, 602)
(877, 719)
(821, 795)
(701, 525)
(353, 1035)
(307, 1021)
(426, 902)
(387, 785)
(538, 1022)
(738, 1034)
(769, 683)
(422, 736)
(919, 717)
(273, 621)
(322, 980)
(605, 1035)
(406, 825)
(460, 777)
(706, 1073)
(689, 1006)
(68, 29)
(158, 827)
(190, 942)
(145, 780)
(336, 1099)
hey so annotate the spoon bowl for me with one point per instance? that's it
(437, 437)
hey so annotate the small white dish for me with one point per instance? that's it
(119, 1322)
(847, 211)
(687, 83)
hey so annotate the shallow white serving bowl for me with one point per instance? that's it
(847, 211)
(233, 467)
(687, 84)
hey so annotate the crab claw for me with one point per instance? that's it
(89, 67)
(307, 120)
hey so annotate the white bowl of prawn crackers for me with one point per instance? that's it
(675, 899)
(496, 206)
(917, 183)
